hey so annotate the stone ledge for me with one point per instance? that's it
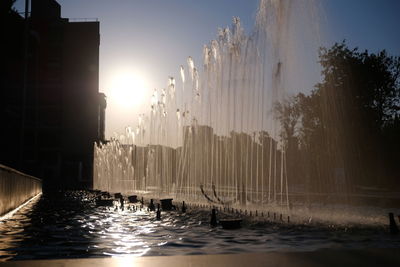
(16, 188)
(325, 257)
(11, 170)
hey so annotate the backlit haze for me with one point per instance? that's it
(143, 42)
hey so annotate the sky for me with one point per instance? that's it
(143, 42)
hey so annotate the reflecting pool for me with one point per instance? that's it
(70, 225)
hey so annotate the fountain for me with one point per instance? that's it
(213, 142)
(211, 136)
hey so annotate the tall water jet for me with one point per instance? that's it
(211, 136)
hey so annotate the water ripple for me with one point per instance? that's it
(69, 225)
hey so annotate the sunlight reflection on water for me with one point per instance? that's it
(67, 226)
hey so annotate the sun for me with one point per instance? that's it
(128, 89)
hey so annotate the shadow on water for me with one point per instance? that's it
(70, 225)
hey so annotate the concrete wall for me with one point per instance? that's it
(16, 188)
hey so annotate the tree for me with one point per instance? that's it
(350, 121)
(370, 82)
(360, 97)
(288, 113)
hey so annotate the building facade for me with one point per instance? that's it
(60, 114)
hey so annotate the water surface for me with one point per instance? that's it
(69, 225)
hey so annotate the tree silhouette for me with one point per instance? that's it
(348, 124)
(360, 98)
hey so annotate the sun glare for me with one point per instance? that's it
(128, 90)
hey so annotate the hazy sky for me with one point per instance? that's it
(152, 38)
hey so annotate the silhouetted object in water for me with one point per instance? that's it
(133, 199)
(158, 212)
(166, 204)
(142, 201)
(231, 223)
(151, 206)
(183, 207)
(393, 227)
(105, 194)
(104, 202)
(121, 201)
(213, 221)
(117, 195)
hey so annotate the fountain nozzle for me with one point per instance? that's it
(183, 207)
(393, 227)
(158, 212)
(213, 221)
